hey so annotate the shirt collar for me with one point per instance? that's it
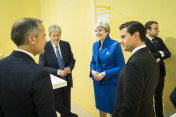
(28, 53)
(106, 40)
(149, 37)
(137, 48)
(55, 45)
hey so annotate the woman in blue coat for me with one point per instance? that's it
(107, 61)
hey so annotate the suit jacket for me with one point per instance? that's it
(173, 97)
(50, 62)
(136, 86)
(25, 88)
(160, 46)
(112, 60)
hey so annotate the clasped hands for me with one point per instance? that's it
(98, 76)
(64, 72)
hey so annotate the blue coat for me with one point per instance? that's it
(110, 60)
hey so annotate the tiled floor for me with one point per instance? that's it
(83, 113)
(167, 114)
(79, 111)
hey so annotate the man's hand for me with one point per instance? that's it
(68, 70)
(62, 73)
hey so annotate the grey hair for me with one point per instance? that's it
(24, 28)
(53, 27)
(104, 25)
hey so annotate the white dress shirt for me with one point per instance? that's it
(54, 47)
(137, 48)
(28, 53)
(152, 42)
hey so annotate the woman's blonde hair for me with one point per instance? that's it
(104, 25)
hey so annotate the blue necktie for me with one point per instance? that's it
(59, 59)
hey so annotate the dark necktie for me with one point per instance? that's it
(154, 42)
(59, 59)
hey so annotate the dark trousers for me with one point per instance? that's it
(62, 101)
(159, 97)
(1, 112)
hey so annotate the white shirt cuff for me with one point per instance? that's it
(162, 55)
(58, 71)
(158, 59)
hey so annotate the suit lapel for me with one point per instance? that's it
(97, 50)
(157, 43)
(53, 55)
(62, 47)
(149, 44)
(138, 52)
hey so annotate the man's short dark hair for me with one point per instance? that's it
(149, 23)
(23, 28)
(134, 26)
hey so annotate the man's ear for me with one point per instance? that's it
(136, 35)
(148, 30)
(31, 40)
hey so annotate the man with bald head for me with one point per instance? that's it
(25, 87)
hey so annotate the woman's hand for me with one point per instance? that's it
(98, 76)
(95, 75)
(101, 75)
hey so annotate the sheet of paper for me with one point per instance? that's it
(57, 82)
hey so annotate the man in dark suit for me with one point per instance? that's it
(173, 97)
(58, 60)
(25, 87)
(159, 50)
(138, 78)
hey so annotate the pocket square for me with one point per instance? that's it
(107, 52)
